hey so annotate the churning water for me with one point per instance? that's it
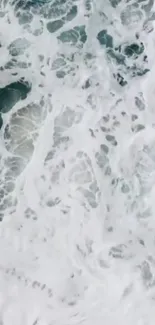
(77, 162)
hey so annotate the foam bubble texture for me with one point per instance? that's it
(77, 171)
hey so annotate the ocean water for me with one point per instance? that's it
(77, 162)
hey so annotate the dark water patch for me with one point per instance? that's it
(130, 57)
(53, 202)
(14, 165)
(139, 103)
(125, 188)
(53, 26)
(87, 84)
(117, 252)
(147, 6)
(120, 251)
(18, 46)
(1, 121)
(101, 158)
(73, 36)
(134, 117)
(123, 52)
(115, 3)
(90, 197)
(133, 49)
(12, 93)
(104, 129)
(63, 66)
(58, 63)
(54, 10)
(72, 13)
(152, 16)
(111, 138)
(108, 171)
(16, 64)
(105, 39)
(24, 17)
(138, 72)
(138, 128)
(60, 74)
(28, 4)
(88, 5)
(120, 79)
(118, 57)
(59, 2)
(22, 4)
(11, 64)
(58, 10)
(104, 148)
(147, 274)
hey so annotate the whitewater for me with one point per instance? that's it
(77, 162)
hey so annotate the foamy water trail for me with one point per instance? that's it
(77, 150)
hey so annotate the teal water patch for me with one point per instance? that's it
(1, 121)
(24, 17)
(27, 4)
(72, 13)
(117, 57)
(147, 6)
(105, 39)
(53, 26)
(120, 79)
(12, 93)
(133, 49)
(74, 36)
(55, 10)
(18, 46)
(58, 12)
(115, 3)
(130, 58)
(63, 65)
(58, 63)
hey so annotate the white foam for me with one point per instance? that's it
(77, 236)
